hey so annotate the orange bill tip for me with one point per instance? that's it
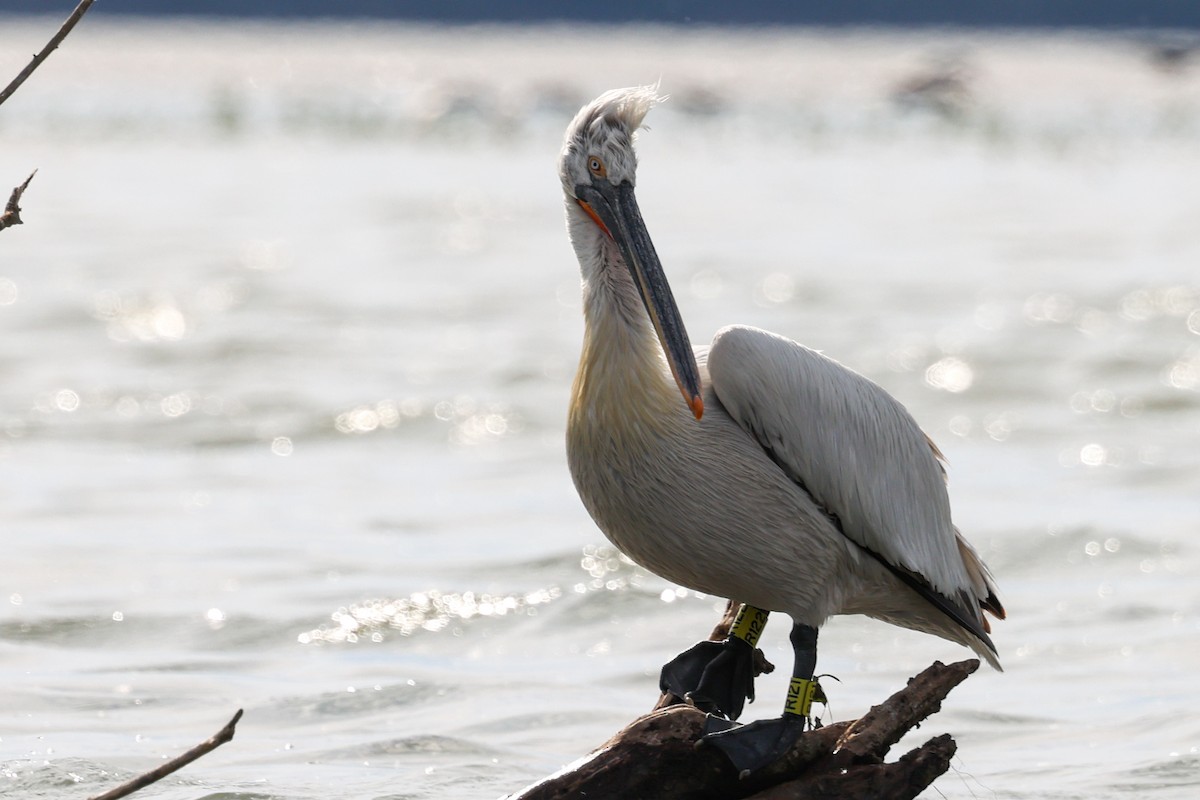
(697, 405)
(595, 217)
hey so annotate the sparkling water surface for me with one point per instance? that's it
(288, 335)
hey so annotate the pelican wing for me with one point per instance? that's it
(857, 452)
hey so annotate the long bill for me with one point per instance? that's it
(617, 208)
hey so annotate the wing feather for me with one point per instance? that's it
(859, 454)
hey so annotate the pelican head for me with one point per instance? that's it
(598, 169)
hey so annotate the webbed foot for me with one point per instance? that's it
(713, 676)
(751, 747)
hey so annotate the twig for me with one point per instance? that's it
(76, 15)
(12, 211)
(142, 781)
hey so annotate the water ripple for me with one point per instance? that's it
(605, 570)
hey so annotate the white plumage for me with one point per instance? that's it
(784, 480)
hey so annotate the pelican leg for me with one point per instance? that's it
(751, 747)
(718, 676)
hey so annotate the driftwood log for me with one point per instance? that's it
(659, 756)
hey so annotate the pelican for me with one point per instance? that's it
(783, 479)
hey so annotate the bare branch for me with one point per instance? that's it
(142, 781)
(12, 211)
(50, 47)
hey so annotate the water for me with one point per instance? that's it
(288, 335)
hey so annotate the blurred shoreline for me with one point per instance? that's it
(151, 77)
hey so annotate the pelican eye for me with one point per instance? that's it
(596, 167)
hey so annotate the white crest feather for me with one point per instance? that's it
(605, 127)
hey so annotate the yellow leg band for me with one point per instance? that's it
(800, 697)
(749, 624)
